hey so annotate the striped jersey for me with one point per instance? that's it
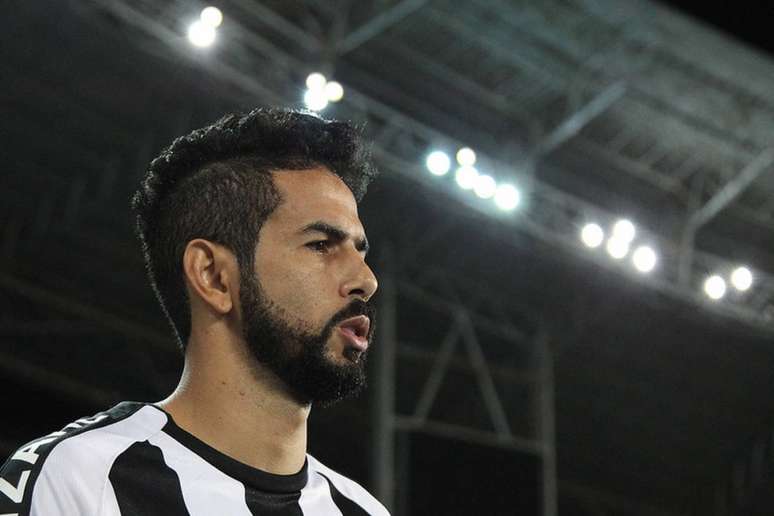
(133, 460)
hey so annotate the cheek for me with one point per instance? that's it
(300, 293)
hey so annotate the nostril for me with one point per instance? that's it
(358, 292)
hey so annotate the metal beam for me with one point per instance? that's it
(733, 188)
(720, 200)
(469, 435)
(484, 378)
(377, 25)
(48, 328)
(578, 120)
(98, 317)
(384, 364)
(437, 372)
(551, 215)
(64, 385)
(620, 504)
(547, 421)
(280, 23)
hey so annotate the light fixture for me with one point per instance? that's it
(507, 197)
(200, 34)
(485, 186)
(644, 259)
(466, 177)
(715, 287)
(211, 16)
(466, 157)
(315, 99)
(741, 278)
(592, 235)
(438, 163)
(334, 91)
(617, 247)
(624, 230)
(316, 81)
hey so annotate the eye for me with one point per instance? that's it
(321, 246)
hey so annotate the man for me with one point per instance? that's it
(256, 253)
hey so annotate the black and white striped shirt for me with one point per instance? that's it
(133, 460)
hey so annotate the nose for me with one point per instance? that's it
(361, 283)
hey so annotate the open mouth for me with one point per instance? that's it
(355, 332)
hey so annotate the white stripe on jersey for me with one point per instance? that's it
(102, 445)
(316, 495)
(109, 502)
(349, 488)
(206, 489)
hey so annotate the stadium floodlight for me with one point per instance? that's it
(592, 235)
(200, 34)
(438, 163)
(466, 177)
(485, 186)
(315, 99)
(316, 81)
(715, 287)
(507, 197)
(211, 16)
(624, 230)
(617, 247)
(466, 157)
(644, 259)
(741, 278)
(334, 91)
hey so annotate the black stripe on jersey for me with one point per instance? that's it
(130, 474)
(251, 477)
(272, 504)
(14, 471)
(347, 506)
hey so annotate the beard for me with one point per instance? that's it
(298, 355)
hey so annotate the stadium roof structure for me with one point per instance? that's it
(596, 109)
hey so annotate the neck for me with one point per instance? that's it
(234, 405)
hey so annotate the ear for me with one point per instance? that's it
(211, 273)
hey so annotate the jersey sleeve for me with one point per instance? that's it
(45, 478)
(34, 483)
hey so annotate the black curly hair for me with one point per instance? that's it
(215, 183)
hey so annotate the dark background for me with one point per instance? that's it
(662, 402)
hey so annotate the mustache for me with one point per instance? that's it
(355, 308)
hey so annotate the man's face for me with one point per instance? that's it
(305, 314)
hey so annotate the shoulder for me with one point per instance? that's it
(348, 488)
(65, 471)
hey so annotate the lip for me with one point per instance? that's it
(355, 331)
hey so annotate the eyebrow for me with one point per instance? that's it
(336, 233)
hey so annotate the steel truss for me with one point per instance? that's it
(426, 416)
(401, 142)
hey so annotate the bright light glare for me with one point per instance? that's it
(201, 34)
(485, 186)
(741, 278)
(507, 197)
(617, 247)
(644, 259)
(466, 177)
(211, 16)
(315, 99)
(592, 235)
(715, 287)
(438, 163)
(466, 157)
(624, 230)
(334, 91)
(316, 81)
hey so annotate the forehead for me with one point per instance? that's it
(314, 194)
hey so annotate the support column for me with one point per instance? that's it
(383, 384)
(547, 424)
